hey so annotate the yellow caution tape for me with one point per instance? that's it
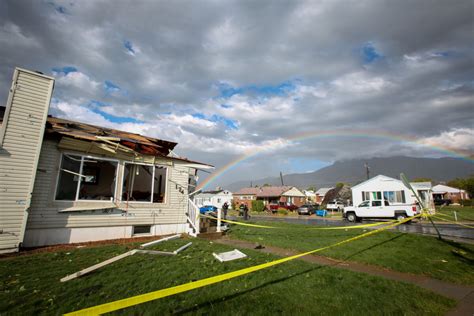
(453, 222)
(240, 223)
(143, 298)
(323, 228)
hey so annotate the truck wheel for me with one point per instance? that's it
(351, 217)
(400, 217)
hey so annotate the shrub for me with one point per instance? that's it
(258, 206)
(282, 211)
(467, 202)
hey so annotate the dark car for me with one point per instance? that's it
(273, 207)
(207, 208)
(442, 201)
(307, 209)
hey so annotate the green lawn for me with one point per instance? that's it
(29, 285)
(464, 213)
(397, 251)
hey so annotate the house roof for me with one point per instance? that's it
(323, 191)
(264, 191)
(441, 188)
(141, 144)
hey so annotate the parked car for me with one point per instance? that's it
(380, 209)
(307, 209)
(207, 208)
(442, 201)
(273, 207)
(335, 206)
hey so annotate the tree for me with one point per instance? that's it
(466, 184)
(311, 188)
(267, 185)
(258, 206)
(339, 185)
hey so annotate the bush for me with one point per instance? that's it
(258, 206)
(467, 202)
(282, 211)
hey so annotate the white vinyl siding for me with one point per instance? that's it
(21, 136)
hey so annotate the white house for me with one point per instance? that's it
(216, 198)
(385, 188)
(310, 195)
(63, 181)
(442, 191)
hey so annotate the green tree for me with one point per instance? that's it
(466, 184)
(258, 206)
(311, 188)
(339, 185)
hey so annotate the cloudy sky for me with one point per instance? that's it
(227, 79)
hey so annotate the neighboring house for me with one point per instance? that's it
(310, 196)
(442, 191)
(216, 198)
(270, 195)
(385, 188)
(63, 181)
(321, 194)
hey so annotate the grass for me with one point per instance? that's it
(30, 285)
(464, 213)
(394, 250)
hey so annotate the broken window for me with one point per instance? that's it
(98, 180)
(68, 177)
(144, 183)
(86, 178)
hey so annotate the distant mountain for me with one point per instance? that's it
(353, 171)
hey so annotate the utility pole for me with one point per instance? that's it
(281, 179)
(367, 170)
(251, 184)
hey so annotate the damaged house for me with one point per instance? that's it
(63, 181)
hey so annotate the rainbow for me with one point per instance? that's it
(371, 134)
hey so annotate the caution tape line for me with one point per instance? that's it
(317, 228)
(453, 222)
(143, 298)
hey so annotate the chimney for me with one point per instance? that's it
(21, 138)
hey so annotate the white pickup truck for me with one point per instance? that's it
(335, 206)
(379, 209)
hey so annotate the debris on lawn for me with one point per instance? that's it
(229, 255)
(130, 253)
(160, 240)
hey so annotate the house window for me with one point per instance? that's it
(394, 196)
(143, 229)
(376, 195)
(143, 183)
(365, 196)
(86, 178)
(218, 200)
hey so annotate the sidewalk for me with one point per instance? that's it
(461, 293)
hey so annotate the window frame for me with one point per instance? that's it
(76, 198)
(154, 166)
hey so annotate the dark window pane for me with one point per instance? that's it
(159, 185)
(137, 183)
(98, 181)
(68, 178)
(141, 229)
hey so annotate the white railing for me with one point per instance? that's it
(193, 218)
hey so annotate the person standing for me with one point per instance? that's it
(246, 212)
(225, 207)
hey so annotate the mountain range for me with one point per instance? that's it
(354, 171)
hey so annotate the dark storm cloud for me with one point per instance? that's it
(403, 67)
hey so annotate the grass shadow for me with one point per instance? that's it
(234, 295)
(373, 246)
